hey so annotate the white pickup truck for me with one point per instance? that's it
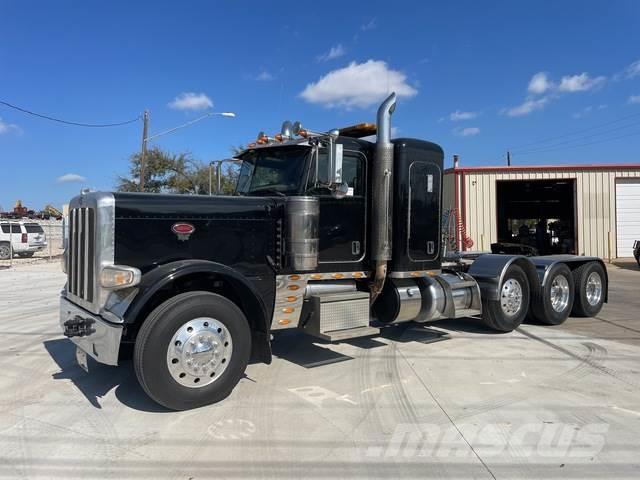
(25, 238)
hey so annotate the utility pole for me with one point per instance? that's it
(143, 153)
(508, 158)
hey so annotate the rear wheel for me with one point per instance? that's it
(590, 285)
(508, 312)
(5, 251)
(192, 350)
(552, 304)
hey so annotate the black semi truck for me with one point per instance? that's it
(327, 233)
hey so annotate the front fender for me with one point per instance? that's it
(149, 294)
(164, 275)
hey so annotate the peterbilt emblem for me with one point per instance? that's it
(183, 230)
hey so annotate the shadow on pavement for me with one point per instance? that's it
(627, 265)
(412, 332)
(101, 379)
(301, 349)
(309, 352)
(468, 325)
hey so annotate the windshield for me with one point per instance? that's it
(272, 170)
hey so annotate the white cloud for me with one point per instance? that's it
(6, 128)
(358, 85)
(539, 83)
(580, 83)
(467, 132)
(528, 106)
(370, 25)
(588, 110)
(634, 99)
(459, 116)
(633, 70)
(334, 52)
(191, 101)
(71, 178)
(264, 76)
(583, 113)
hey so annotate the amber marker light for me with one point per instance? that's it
(291, 298)
(284, 321)
(357, 274)
(294, 287)
(316, 276)
(287, 310)
(294, 277)
(337, 275)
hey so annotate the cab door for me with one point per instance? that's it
(342, 221)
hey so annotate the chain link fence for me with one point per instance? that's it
(30, 241)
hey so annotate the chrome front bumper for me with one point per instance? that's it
(91, 333)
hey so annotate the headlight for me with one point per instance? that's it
(118, 276)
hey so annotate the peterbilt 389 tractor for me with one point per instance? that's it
(326, 232)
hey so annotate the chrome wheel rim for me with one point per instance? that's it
(5, 251)
(560, 293)
(593, 288)
(199, 352)
(511, 297)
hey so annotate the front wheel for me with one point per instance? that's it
(192, 350)
(509, 310)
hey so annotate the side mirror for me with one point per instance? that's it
(335, 163)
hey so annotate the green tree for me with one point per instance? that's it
(167, 172)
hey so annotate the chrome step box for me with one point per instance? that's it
(339, 316)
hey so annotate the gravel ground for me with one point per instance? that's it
(445, 400)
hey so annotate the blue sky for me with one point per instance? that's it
(475, 77)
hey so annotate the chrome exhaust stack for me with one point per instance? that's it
(382, 194)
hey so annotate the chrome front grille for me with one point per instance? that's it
(81, 253)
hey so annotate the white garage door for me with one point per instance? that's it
(627, 214)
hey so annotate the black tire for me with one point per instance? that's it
(493, 314)
(152, 344)
(5, 251)
(542, 308)
(26, 254)
(581, 305)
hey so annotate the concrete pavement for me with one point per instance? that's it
(446, 400)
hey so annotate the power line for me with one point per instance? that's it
(577, 139)
(581, 145)
(575, 132)
(66, 122)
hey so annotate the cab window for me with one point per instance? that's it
(353, 172)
